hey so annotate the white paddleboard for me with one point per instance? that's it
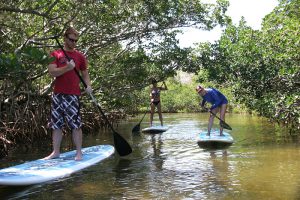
(155, 129)
(40, 171)
(214, 140)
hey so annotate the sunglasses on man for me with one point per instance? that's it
(72, 40)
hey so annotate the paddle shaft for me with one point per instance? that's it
(220, 119)
(136, 128)
(216, 116)
(143, 116)
(145, 113)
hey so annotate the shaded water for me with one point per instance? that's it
(261, 164)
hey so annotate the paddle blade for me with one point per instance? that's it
(136, 128)
(225, 125)
(121, 145)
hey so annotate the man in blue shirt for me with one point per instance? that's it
(218, 103)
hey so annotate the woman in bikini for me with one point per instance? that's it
(155, 100)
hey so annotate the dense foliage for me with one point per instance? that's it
(127, 44)
(181, 95)
(261, 67)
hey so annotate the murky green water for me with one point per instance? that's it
(261, 164)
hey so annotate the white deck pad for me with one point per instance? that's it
(41, 170)
(214, 140)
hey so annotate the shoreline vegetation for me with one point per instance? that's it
(27, 124)
(128, 45)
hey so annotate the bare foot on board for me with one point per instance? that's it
(51, 156)
(78, 156)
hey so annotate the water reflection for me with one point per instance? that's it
(13, 192)
(156, 143)
(122, 169)
(259, 165)
(220, 170)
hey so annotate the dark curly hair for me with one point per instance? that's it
(154, 81)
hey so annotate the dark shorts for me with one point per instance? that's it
(224, 101)
(156, 102)
(65, 107)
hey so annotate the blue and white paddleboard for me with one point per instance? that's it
(155, 129)
(214, 140)
(41, 170)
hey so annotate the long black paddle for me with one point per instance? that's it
(121, 145)
(136, 128)
(222, 122)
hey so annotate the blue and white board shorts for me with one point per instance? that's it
(65, 107)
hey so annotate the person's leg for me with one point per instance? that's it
(72, 112)
(56, 138)
(159, 114)
(152, 113)
(222, 116)
(210, 123)
(211, 120)
(56, 125)
(77, 139)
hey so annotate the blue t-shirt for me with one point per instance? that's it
(215, 97)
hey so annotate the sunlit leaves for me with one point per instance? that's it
(19, 65)
(262, 67)
(126, 42)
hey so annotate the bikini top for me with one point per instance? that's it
(155, 93)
